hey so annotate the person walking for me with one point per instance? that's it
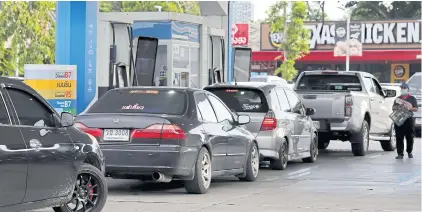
(407, 129)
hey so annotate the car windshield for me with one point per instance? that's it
(415, 84)
(332, 82)
(141, 101)
(242, 99)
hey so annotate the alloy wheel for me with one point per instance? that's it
(284, 155)
(255, 161)
(366, 137)
(393, 137)
(206, 170)
(86, 194)
(314, 149)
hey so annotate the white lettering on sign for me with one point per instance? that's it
(239, 41)
(372, 33)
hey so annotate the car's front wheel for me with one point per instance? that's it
(90, 193)
(313, 150)
(390, 145)
(252, 165)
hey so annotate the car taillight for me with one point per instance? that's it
(269, 122)
(160, 131)
(348, 105)
(92, 131)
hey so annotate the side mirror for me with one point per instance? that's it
(389, 93)
(243, 119)
(67, 119)
(310, 111)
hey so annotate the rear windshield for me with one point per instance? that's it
(242, 100)
(141, 101)
(332, 82)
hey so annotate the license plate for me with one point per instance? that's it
(116, 135)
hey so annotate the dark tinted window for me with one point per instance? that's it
(242, 100)
(141, 101)
(4, 117)
(294, 101)
(30, 110)
(220, 110)
(377, 87)
(329, 82)
(205, 108)
(284, 103)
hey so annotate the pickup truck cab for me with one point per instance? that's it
(349, 107)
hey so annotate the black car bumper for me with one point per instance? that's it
(132, 161)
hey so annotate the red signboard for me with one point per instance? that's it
(240, 34)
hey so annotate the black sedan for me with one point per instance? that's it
(163, 134)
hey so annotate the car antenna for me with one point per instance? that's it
(235, 82)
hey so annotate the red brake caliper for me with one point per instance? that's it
(91, 192)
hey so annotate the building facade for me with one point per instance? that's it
(241, 11)
(390, 49)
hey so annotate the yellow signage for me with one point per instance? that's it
(399, 73)
(52, 84)
(58, 94)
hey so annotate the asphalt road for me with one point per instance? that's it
(337, 182)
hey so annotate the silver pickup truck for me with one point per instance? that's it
(349, 107)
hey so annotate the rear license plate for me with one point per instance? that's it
(116, 135)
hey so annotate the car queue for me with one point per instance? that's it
(161, 134)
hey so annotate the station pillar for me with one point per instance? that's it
(76, 44)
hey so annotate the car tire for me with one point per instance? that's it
(360, 140)
(390, 145)
(323, 142)
(313, 150)
(252, 164)
(91, 181)
(202, 179)
(283, 153)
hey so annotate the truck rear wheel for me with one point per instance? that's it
(360, 140)
(323, 141)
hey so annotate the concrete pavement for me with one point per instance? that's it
(337, 182)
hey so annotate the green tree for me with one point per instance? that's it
(294, 34)
(379, 10)
(31, 29)
(187, 7)
(316, 11)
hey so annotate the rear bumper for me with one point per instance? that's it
(268, 147)
(351, 125)
(133, 160)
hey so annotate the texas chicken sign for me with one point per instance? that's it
(366, 35)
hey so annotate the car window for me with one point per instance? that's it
(4, 117)
(274, 99)
(220, 109)
(140, 100)
(30, 111)
(377, 87)
(368, 84)
(415, 85)
(294, 101)
(332, 82)
(248, 100)
(205, 108)
(284, 103)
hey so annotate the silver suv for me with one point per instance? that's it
(282, 126)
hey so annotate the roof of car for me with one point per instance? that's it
(259, 85)
(187, 89)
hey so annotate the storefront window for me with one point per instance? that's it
(160, 75)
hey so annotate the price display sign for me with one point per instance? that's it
(56, 83)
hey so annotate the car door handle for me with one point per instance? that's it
(5, 149)
(372, 99)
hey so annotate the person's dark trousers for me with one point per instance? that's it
(402, 132)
